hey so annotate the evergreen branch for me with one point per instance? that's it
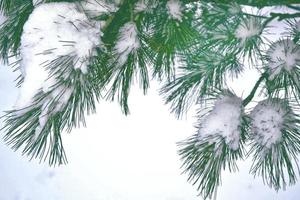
(37, 128)
(204, 160)
(114, 23)
(294, 7)
(122, 77)
(277, 162)
(249, 98)
(170, 37)
(11, 30)
(282, 16)
(205, 72)
(8, 6)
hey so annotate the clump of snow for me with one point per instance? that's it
(247, 29)
(127, 43)
(94, 8)
(267, 122)
(175, 9)
(224, 120)
(283, 54)
(64, 30)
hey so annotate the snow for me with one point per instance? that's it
(94, 8)
(284, 54)
(128, 42)
(247, 29)
(267, 122)
(175, 9)
(62, 31)
(224, 120)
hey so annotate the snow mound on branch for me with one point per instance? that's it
(267, 122)
(247, 29)
(283, 54)
(127, 43)
(224, 120)
(175, 9)
(54, 30)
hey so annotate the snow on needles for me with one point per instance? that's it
(283, 54)
(267, 122)
(175, 9)
(224, 120)
(128, 42)
(62, 31)
(247, 29)
(94, 8)
(54, 30)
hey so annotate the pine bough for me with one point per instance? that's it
(73, 53)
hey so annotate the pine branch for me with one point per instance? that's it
(249, 98)
(205, 156)
(11, 29)
(275, 156)
(37, 128)
(204, 73)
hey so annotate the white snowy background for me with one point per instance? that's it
(122, 158)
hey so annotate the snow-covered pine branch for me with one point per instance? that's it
(224, 121)
(127, 43)
(64, 31)
(69, 53)
(248, 28)
(283, 55)
(57, 50)
(275, 142)
(218, 143)
(175, 9)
